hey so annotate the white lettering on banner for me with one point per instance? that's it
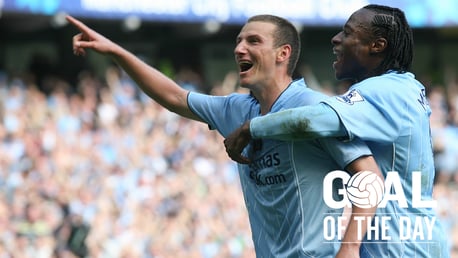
(331, 228)
(359, 189)
(379, 227)
(176, 7)
(219, 9)
(416, 193)
(406, 231)
(392, 182)
(224, 10)
(418, 228)
(327, 190)
(331, 9)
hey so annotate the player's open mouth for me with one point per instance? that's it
(245, 66)
(337, 54)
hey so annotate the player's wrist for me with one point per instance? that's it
(246, 130)
(350, 245)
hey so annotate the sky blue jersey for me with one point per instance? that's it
(283, 186)
(391, 114)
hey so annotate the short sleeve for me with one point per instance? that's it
(369, 114)
(223, 113)
(345, 152)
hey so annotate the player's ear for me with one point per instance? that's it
(284, 52)
(379, 45)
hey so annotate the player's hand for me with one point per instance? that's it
(237, 141)
(89, 39)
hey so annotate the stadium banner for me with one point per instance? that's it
(307, 12)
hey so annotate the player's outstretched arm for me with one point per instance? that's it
(155, 84)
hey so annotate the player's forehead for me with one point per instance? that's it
(260, 29)
(360, 20)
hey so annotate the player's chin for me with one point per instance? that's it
(338, 75)
(336, 70)
(244, 82)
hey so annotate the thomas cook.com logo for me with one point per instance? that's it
(366, 189)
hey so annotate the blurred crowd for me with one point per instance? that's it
(104, 171)
(99, 170)
(443, 99)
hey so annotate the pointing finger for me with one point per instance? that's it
(78, 24)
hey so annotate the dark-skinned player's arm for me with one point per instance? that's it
(151, 81)
(304, 123)
(354, 233)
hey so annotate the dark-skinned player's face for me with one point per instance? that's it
(352, 47)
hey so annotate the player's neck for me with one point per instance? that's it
(270, 93)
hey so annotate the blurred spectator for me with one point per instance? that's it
(443, 134)
(189, 80)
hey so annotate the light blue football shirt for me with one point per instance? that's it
(390, 112)
(283, 186)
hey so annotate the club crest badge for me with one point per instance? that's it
(351, 97)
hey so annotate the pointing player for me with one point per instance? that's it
(283, 187)
(386, 107)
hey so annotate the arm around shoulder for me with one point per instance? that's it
(307, 122)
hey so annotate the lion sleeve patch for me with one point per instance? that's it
(350, 97)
